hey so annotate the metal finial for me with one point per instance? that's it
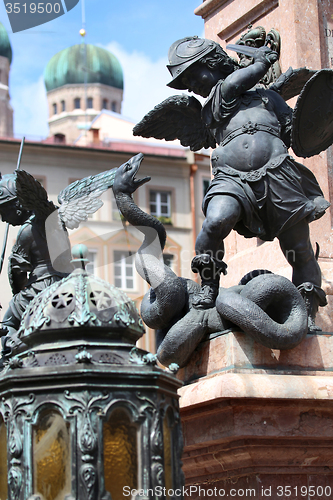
(79, 254)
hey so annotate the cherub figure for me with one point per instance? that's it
(41, 254)
(258, 188)
(29, 268)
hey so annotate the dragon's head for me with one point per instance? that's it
(124, 180)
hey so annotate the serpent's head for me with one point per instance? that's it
(125, 181)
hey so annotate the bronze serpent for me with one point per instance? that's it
(268, 307)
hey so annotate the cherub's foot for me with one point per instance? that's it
(13, 344)
(210, 271)
(313, 296)
(206, 298)
(312, 327)
(2, 347)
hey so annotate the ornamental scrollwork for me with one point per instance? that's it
(81, 314)
(89, 479)
(83, 356)
(147, 407)
(179, 440)
(56, 359)
(31, 359)
(156, 438)
(123, 316)
(15, 482)
(85, 404)
(136, 356)
(12, 408)
(111, 359)
(15, 363)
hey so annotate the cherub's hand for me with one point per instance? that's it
(265, 55)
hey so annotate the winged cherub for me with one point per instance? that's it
(258, 189)
(41, 254)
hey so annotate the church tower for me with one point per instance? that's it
(6, 111)
(81, 81)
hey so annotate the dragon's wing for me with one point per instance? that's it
(32, 196)
(81, 198)
(291, 83)
(178, 117)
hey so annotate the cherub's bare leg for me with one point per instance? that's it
(10, 321)
(296, 246)
(9, 338)
(223, 213)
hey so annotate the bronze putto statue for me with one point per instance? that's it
(258, 188)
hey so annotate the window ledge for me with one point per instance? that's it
(166, 221)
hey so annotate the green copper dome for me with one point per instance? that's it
(5, 47)
(67, 66)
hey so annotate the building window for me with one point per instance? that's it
(41, 181)
(105, 104)
(168, 259)
(55, 108)
(59, 138)
(160, 203)
(205, 186)
(114, 106)
(89, 102)
(77, 103)
(123, 270)
(92, 264)
(95, 134)
(63, 106)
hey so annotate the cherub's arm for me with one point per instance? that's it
(245, 78)
(19, 261)
(284, 114)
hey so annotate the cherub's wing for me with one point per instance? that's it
(81, 198)
(178, 117)
(32, 196)
(291, 83)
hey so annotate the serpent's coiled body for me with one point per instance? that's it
(268, 307)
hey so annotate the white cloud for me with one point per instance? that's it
(144, 81)
(30, 109)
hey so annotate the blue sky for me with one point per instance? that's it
(138, 32)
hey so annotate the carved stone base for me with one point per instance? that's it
(259, 419)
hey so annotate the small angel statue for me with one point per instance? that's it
(41, 254)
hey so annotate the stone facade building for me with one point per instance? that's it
(94, 137)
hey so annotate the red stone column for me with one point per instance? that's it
(258, 422)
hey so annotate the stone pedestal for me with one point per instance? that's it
(258, 422)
